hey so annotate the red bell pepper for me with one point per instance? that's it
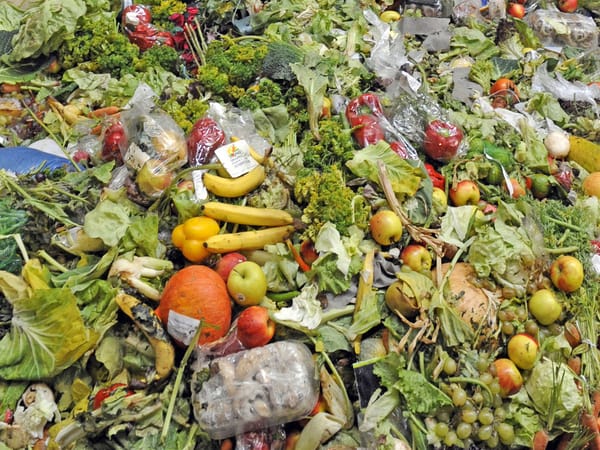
(363, 114)
(206, 136)
(364, 104)
(442, 140)
(437, 179)
(367, 130)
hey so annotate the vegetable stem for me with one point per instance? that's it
(565, 224)
(53, 262)
(470, 380)
(560, 250)
(177, 383)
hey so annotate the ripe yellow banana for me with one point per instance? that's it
(234, 187)
(248, 240)
(247, 215)
(147, 321)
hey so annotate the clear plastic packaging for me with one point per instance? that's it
(557, 29)
(152, 144)
(256, 389)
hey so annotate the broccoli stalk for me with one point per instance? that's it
(134, 271)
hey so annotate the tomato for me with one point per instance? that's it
(442, 140)
(504, 92)
(106, 392)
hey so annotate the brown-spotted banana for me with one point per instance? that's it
(247, 215)
(144, 317)
(234, 187)
(248, 240)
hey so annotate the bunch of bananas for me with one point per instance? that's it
(279, 226)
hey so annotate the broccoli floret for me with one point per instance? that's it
(241, 61)
(160, 56)
(185, 111)
(325, 197)
(99, 40)
(213, 80)
(335, 145)
(276, 64)
(262, 95)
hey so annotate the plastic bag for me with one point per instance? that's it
(153, 145)
(557, 29)
(563, 89)
(256, 389)
(239, 124)
(427, 126)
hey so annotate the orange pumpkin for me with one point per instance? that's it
(195, 294)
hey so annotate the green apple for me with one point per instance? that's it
(386, 227)
(544, 306)
(566, 273)
(439, 200)
(417, 257)
(466, 192)
(522, 349)
(509, 377)
(247, 283)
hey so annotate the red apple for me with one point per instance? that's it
(227, 262)
(386, 227)
(522, 349)
(255, 327)
(508, 375)
(466, 192)
(567, 6)
(247, 283)
(566, 273)
(417, 257)
(516, 10)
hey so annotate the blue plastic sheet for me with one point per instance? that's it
(24, 160)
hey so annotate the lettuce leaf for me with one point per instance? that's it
(47, 336)
(404, 176)
(44, 26)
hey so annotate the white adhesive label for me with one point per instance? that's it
(182, 328)
(200, 191)
(236, 158)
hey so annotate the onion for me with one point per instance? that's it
(558, 145)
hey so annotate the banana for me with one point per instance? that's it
(247, 240)
(247, 215)
(148, 322)
(234, 187)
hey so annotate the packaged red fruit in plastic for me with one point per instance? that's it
(206, 136)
